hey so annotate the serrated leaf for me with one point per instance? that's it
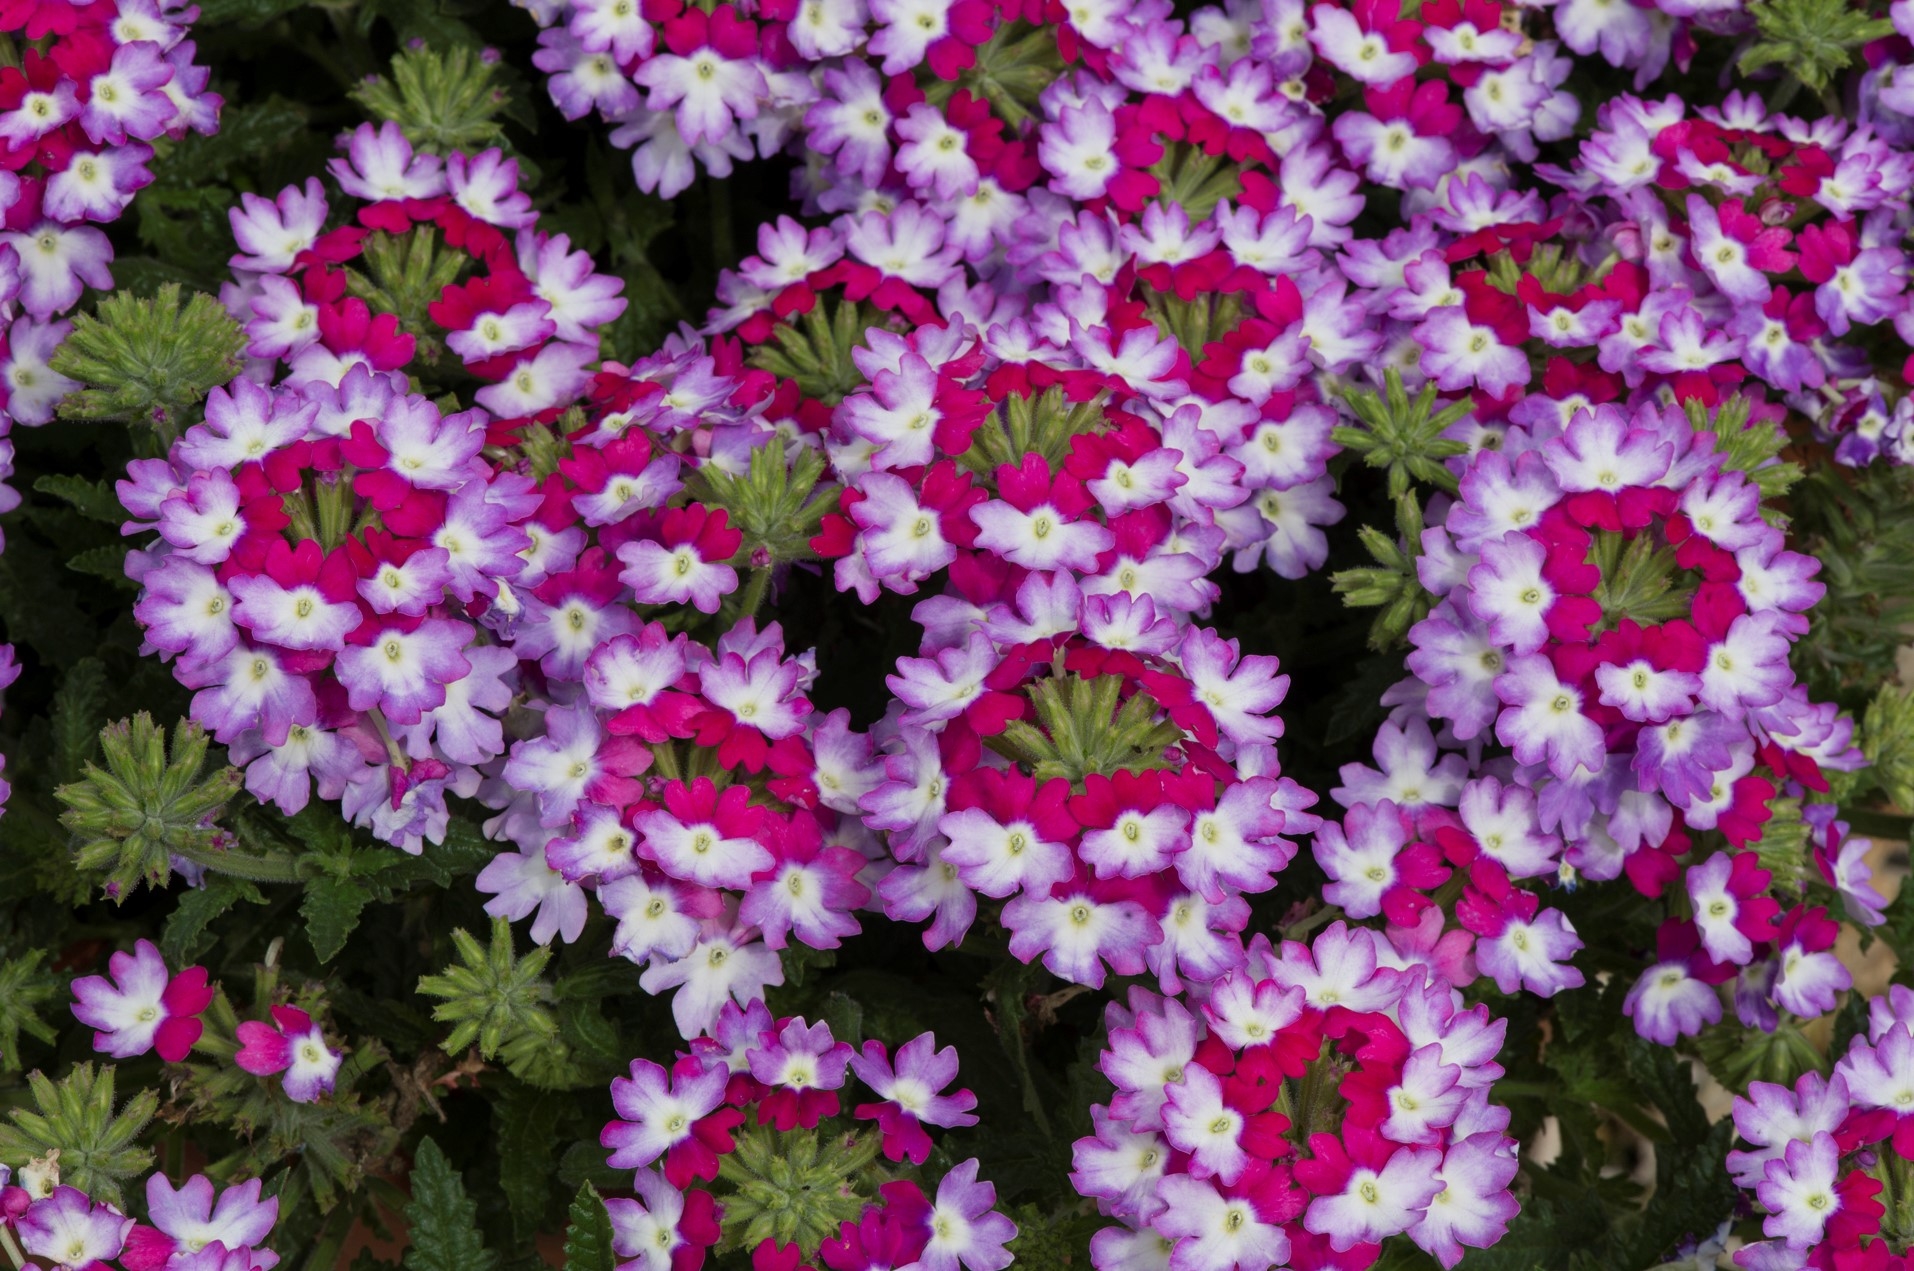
(1668, 1082)
(588, 1234)
(185, 936)
(1694, 1194)
(331, 909)
(246, 133)
(79, 709)
(1541, 1234)
(94, 500)
(442, 1220)
(527, 1151)
(584, 1163)
(107, 561)
(249, 12)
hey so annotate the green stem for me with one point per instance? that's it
(332, 510)
(332, 1238)
(266, 867)
(14, 1255)
(1877, 824)
(1303, 926)
(754, 591)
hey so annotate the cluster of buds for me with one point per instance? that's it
(1322, 1099)
(756, 1108)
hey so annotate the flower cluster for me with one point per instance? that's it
(1820, 1156)
(336, 560)
(1611, 607)
(1105, 770)
(1761, 250)
(1010, 230)
(321, 552)
(756, 1105)
(1325, 1097)
(691, 790)
(686, 782)
(441, 270)
(141, 1006)
(192, 1227)
(1075, 307)
(77, 116)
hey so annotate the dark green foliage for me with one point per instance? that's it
(1857, 525)
(588, 1233)
(442, 1220)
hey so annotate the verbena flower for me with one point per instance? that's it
(753, 1110)
(144, 1006)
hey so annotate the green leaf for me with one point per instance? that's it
(1056, 1240)
(588, 1234)
(1898, 930)
(247, 132)
(527, 1152)
(185, 936)
(79, 708)
(442, 1220)
(94, 500)
(1668, 1082)
(331, 910)
(107, 561)
(249, 12)
(1737, 1056)
(422, 20)
(1856, 524)
(584, 1164)
(1694, 1195)
(1542, 1233)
